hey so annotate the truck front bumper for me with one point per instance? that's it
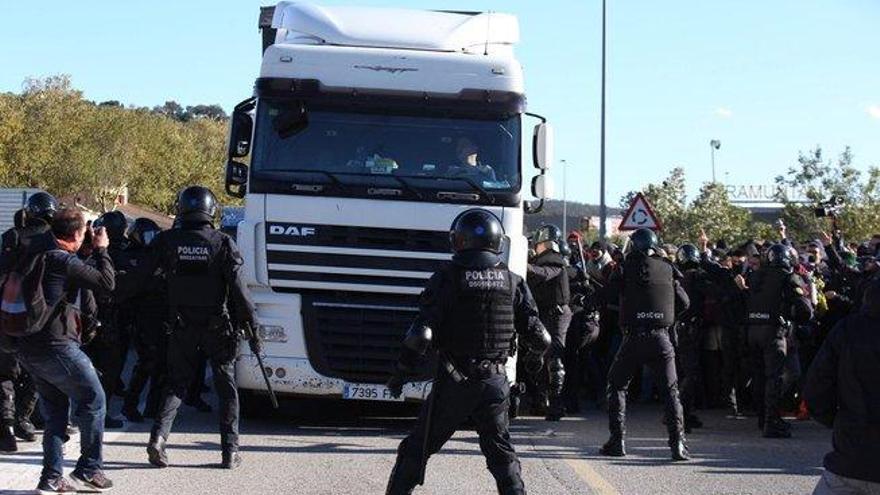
(295, 377)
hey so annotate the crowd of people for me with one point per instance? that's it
(747, 336)
(78, 296)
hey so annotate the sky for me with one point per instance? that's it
(767, 78)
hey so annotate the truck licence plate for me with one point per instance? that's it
(368, 391)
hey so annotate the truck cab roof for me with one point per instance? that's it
(407, 29)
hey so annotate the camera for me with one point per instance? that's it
(830, 208)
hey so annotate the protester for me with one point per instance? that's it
(62, 373)
(843, 393)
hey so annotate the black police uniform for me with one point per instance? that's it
(474, 310)
(18, 395)
(206, 296)
(651, 295)
(547, 277)
(583, 331)
(110, 345)
(149, 336)
(775, 301)
(689, 332)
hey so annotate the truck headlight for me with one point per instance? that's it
(272, 333)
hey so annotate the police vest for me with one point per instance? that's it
(767, 288)
(648, 292)
(192, 260)
(481, 318)
(554, 292)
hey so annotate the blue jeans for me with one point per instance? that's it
(64, 374)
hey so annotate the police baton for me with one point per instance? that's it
(428, 417)
(252, 336)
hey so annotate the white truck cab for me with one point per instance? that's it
(370, 130)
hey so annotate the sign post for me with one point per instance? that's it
(640, 215)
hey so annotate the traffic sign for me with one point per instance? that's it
(640, 215)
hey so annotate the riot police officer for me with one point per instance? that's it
(149, 328)
(18, 395)
(107, 350)
(471, 312)
(584, 328)
(547, 277)
(775, 301)
(650, 297)
(689, 331)
(208, 304)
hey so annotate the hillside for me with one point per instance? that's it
(552, 214)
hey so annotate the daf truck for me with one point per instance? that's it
(368, 132)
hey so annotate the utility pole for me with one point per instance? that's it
(603, 211)
(564, 196)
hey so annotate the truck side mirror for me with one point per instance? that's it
(236, 179)
(241, 129)
(240, 135)
(542, 146)
(542, 187)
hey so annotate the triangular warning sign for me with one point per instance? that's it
(640, 215)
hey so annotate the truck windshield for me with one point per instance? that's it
(413, 153)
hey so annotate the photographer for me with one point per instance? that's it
(62, 373)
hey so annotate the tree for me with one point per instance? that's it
(721, 220)
(214, 112)
(51, 138)
(818, 179)
(172, 110)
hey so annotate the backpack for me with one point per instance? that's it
(23, 308)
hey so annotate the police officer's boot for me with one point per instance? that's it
(776, 428)
(679, 448)
(401, 481)
(7, 439)
(231, 459)
(614, 447)
(156, 451)
(556, 410)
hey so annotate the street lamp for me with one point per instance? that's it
(603, 210)
(714, 145)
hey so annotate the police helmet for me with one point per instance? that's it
(644, 240)
(196, 204)
(779, 255)
(143, 231)
(115, 224)
(41, 205)
(476, 230)
(565, 249)
(687, 255)
(547, 233)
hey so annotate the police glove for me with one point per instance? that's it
(395, 384)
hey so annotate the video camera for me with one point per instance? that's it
(830, 208)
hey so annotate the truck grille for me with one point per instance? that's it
(351, 258)
(355, 337)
